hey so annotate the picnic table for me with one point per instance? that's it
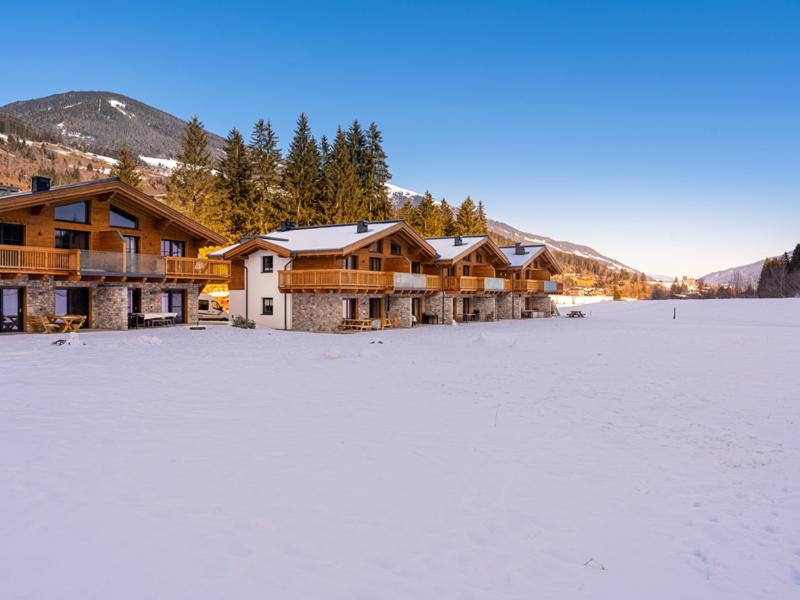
(356, 324)
(70, 323)
(60, 323)
(164, 319)
(576, 314)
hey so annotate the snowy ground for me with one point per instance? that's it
(623, 456)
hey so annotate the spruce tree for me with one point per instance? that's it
(125, 168)
(301, 175)
(482, 223)
(191, 185)
(240, 214)
(269, 198)
(341, 193)
(376, 195)
(407, 213)
(446, 219)
(466, 218)
(427, 217)
(794, 262)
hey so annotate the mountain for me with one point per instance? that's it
(102, 122)
(400, 195)
(750, 273)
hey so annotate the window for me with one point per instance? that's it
(396, 249)
(172, 301)
(77, 212)
(12, 234)
(416, 267)
(134, 300)
(131, 244)
(72, 301)
(375, 264)
(119, 218)
(266, 264)
(266, 306)
(465, 270)
(376, 247)
(350, 262)
(375, 308)
(478, 257)
(173, 248)
(451, 271)
(349, 308)
(68, 239)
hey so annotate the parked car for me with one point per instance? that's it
(210, 309)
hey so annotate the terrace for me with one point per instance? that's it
(351, 280)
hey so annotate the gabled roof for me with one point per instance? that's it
(449, 252)
(532, 251)
(114, 188)
(324, 239)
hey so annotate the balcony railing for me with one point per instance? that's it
(30, 259)
(353, 280)
(470, 285)
(97, 263)
(494, 284)
(541, 286)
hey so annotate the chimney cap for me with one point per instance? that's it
(362, 227)
(40, 184)
(519, 248)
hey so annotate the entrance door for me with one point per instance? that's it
(416, 309)
(174, 301)
(349, 308)
(73, 301)
(134, 300)
(375, 308)
(11, 310)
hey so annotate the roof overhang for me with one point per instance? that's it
(486, 244)
(254, 245)
(400, 227)
(547, 253)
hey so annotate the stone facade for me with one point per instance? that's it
(317, 312)
(540, 303)
(485, 305)
(400, 309)
(108, 301)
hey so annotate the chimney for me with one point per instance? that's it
(40, 184)
(457, 241)
(519, 248)
(286, 225)
(362, 227)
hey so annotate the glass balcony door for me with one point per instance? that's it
(11, 310)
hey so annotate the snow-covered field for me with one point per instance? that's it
(623, 456)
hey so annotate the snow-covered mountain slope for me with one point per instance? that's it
(750, 273)
(399, 195)
(104, 121)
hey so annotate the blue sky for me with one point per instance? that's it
(666, 135)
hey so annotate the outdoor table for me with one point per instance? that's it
(70, 323)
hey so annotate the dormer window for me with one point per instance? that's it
(77, 212)
(119, 218)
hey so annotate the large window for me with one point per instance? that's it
(172, 301)
(72, 301)
(465, 270)
(173, 248)
(12, 234)
(131, 244)
(349, 308)
(376, 247)
(77, 212)
(266, 306)
(119, 218)
(70, 239)
(396, 249)
(267, 264)
(11, 310)
(375, 264)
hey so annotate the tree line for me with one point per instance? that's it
(780, 277)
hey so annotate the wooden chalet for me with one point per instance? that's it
(101, 249)
(530, 271)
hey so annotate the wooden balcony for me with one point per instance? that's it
(214, 271)
(348, 280)
(101, 265)
(537, 286)
(477, 285)
(31, 260)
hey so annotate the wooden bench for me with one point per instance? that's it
(356, 324)
(44, 324)
(576, 314)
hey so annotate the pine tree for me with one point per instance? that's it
(466, 218)
(427, 219)
(125, 168)
(301, 175)
(794, 262)
(482, 223)
(407, 213)
(341, 193)
(240, 214)
(377, 175)
(269, 198)
(446, 219)
(357, 142)
(191, 187)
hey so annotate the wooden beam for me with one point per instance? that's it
(10, 275)
(38, 209)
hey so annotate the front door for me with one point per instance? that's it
(416, 309)
(349, 308)
(174, 301)
(375, 308)
(11, 310)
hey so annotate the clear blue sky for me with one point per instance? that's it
(666, 135)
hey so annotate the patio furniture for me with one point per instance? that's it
(70, 323)
(44, 324)
(576, 314)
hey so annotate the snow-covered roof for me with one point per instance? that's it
(518, 260)
(446, 246)
(317, 238)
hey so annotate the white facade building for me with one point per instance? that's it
(261, 301)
